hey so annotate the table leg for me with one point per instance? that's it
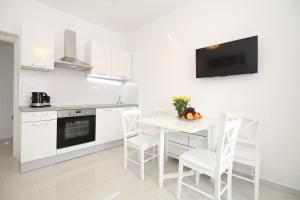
(161, 158)
(209, 139)
(166, 146)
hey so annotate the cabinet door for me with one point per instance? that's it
(37, 46)
(99, 56)
(38, 140)
(106, 125)
(121, 63)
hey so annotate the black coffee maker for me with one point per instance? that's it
(40, 99)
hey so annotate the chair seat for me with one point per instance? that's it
(246, 155)
(200, 157)
(143, 141)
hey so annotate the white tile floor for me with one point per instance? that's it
(101, 176)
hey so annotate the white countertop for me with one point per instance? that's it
(69, 107)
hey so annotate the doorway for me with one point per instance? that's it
(6, 90)
(9, 102)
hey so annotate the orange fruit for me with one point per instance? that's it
(197, 116)
(190, 116)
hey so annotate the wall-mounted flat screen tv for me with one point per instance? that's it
(230, 58)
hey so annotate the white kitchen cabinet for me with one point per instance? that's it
(197, 141)
(179, 143)
(37, 47)
(175, 149)
(178, 138)
(106, 125)
(121, 63)
(99, 56)
(38, 139)
(109, 124)
(108, 62)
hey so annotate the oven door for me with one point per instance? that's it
(75, 130)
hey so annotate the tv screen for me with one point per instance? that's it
(230, 58)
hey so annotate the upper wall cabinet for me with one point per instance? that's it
(37, 47)
(108, 62)
(99, 56)
(121, 63)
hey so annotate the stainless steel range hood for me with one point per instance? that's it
(70, 60)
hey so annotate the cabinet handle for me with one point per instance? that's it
(40, 124)
(40, 114)
(38, 65)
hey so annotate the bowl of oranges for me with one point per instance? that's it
(190, 114)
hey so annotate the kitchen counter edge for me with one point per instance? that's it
(57, 108)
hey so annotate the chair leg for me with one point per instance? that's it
(229, 183)
(179, 181)
(153, 153)
(217, 187)
(125, 156)
(197, 177)
(158, 157)
(256, 182)
(142, 164)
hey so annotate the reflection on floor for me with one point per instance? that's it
(101, 176)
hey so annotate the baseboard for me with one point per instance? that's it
(273, 185)
(280, 187)
(36, 164)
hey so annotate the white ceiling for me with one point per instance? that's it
(118, 15)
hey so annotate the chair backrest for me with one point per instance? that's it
(249, 134)
(161, 112)
(226, 144)
(130, 120)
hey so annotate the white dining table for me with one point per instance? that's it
(172, 123)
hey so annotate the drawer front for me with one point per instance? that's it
(197, 141)
(178, 138)
(39, 116)
(176, 149)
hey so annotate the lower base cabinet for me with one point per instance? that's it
(106, 126)
(109, 124)
(178, 143)
(38, 140)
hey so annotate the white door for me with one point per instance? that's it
(99, 56)
(106, 125)
(37, 46)
(121, 63)
(38, 140)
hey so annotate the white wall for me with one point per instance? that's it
(6, 89)
(64, 86)
(164, 64)
(130, 92)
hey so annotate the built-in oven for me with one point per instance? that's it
(75, 127)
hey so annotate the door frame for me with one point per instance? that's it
(14, 39)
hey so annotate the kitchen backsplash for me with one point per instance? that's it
(71, 87)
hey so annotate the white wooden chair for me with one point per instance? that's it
(213, 164)
(247, 148)
(134, 138)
